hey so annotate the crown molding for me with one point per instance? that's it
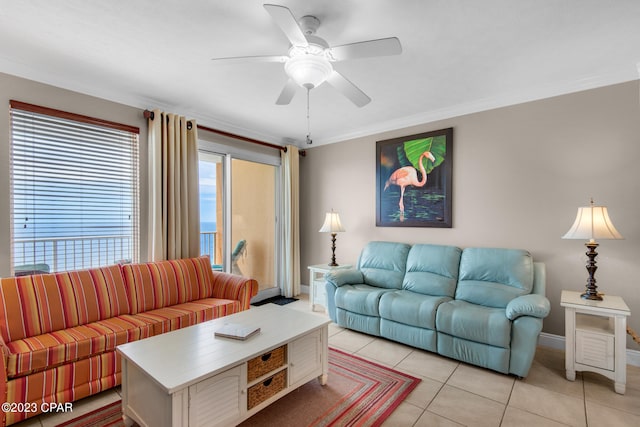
(491, 103)
(37, 75)
(517, 97)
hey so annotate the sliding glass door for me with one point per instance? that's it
(253, 221)
(239, 207)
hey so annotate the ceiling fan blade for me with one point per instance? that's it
(287, 23)
(380, 47)
(245, 59)
(287, 93)
(348, 89)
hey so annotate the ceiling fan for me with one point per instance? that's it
(308, 62)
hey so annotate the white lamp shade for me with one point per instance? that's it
(592, 222)
(332, 223)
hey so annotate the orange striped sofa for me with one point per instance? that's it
(58, 332)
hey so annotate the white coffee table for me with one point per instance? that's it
(189, 377)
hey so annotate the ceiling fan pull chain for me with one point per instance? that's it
(309, 140)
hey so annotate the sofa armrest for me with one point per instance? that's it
(528, 305)
(339, 278)
(234, 287)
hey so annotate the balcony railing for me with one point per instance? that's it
(73, 253)
(76, 253)
(208, 244)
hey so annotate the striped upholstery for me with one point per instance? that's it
(189, 313)
(58, 332)
(65, 383)
(234, 287)
(34, 305)
(160, 284)
(100, 293)
(39, 304)
(53, 349)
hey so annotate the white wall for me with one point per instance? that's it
(519, 175)
(48, 96)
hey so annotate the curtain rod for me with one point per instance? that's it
(149, 115)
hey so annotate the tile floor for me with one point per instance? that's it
(457, 394)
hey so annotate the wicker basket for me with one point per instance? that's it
(262, 365)
(260, 392)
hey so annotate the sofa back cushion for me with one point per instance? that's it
(43, 303)
(100, 293)
(493, 277)
(383, 264)
(432, 270)
(160, 284)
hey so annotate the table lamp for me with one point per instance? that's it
(332, 225)
(592, 222)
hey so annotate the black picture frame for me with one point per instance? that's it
(404, 197)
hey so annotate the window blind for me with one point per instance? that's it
(74, 191)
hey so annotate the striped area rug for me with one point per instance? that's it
(358, 393)
(107, 416)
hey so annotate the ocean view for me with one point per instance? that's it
(207, 227)
(92, 226)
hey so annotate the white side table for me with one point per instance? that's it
(595, 337)
(317, 291)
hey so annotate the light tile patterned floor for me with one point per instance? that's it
(457, 394)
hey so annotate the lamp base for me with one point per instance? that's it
(591, 292)
(333, 262)
(593, 297)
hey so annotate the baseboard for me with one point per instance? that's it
(557, 342)
(550, 340)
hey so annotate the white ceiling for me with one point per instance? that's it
(459, 56)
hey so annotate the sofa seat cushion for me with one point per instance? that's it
(410, 308)
(189, 313)
(473, 322)
(53, 349)
(361, 299)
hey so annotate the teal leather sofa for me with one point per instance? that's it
(482, 306)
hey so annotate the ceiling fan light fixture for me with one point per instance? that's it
(308, 63)
(308, 67)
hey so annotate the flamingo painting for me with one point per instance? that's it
(398, 161)
(409, 176)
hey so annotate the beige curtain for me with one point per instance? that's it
(174, 204)
(291, 221)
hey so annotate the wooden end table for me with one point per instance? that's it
(595, 337)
